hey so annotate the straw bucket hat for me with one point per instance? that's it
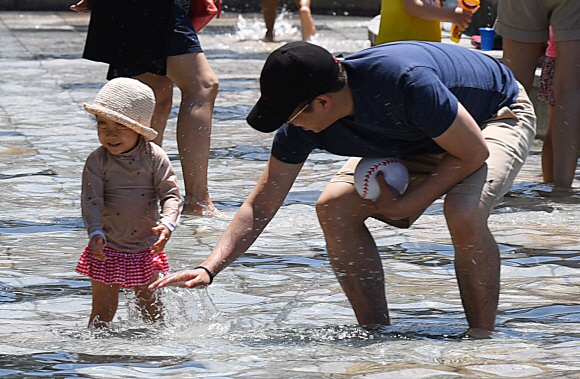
(128, 102)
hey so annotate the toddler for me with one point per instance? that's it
(124, 182)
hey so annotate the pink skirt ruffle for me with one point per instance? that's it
(125, 269)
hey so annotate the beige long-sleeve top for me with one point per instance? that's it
(121, 195)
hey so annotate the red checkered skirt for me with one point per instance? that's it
(125, 269)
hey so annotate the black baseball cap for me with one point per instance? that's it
(294, 73)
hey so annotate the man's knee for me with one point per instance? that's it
(464, 213)
(338, 204)
(327, 205)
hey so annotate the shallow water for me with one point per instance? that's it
(278, 312)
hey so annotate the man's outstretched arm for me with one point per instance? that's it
(251, 219)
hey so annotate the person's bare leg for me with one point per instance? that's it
(163, 88)
(148, 301)
(199, 87)
(269, 11)
(353, 253)
(566, 134)
(522, 59)
(477, 261)
(548, 151)
(307, 23)
(105, 302)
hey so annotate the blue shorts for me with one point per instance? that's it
(183, 38)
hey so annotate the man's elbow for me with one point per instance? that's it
(480, 155)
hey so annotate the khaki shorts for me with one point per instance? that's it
(528, 20)
(509, 136)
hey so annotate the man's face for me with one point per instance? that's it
(309, 117)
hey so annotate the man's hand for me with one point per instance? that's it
(83, 6)
(97, 244)
(387, 202)
(164, 234)
(186, 278)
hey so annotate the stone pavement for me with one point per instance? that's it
(280, 304)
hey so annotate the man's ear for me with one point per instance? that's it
(323, 101)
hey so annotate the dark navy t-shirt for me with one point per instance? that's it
(405, 94)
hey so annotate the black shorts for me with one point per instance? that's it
(183, 40)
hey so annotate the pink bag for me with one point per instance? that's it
(201, 12)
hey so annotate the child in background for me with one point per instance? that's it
(546, 93)
(270, 10)
(420, 20)
(124, 182)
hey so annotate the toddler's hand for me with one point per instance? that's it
(164, 234)
(97, 244)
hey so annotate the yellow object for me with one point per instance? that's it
(398, 25)
(469, 5)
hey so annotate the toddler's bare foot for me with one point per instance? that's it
(198, 208)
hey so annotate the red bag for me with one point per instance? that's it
(201, 12)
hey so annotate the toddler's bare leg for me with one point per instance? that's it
(105, 302)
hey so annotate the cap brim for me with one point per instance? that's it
(267, 119)
(145, 131)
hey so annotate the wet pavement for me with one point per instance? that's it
(278, 311)
(46, 134)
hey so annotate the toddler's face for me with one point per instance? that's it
(115, 137)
